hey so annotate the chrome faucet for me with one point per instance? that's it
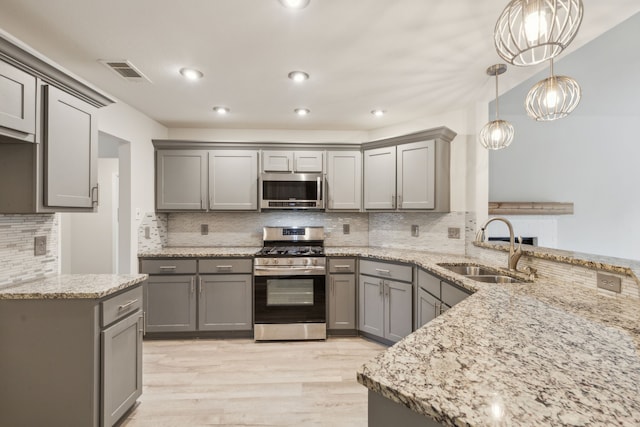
(514, 254)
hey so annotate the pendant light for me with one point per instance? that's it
(553, 98)
(529, 32)
(496, 134)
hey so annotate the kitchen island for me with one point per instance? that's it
(71, 349)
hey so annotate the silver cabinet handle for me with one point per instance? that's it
(319, 190)
(97, 192)
(141, 330)
(333, 286)
(435, 309)
(380, 286)
(393, 200)
(144, 323)
(400, 201)
(168, 267)
(224, 267)
(127, 304)
(342, 266)
(192, 285)
(382, 271)
(199, 285)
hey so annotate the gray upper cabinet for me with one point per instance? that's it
(17, 103)
(344, 180)
(292, 161)
(71, 150)
(225, 302)
(181, 179)
(233, 180)
(416, 175)
(380, 178)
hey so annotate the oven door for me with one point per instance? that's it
(286, 299)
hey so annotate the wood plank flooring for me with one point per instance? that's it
(243, 383)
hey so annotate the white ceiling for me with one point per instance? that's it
(413, 58)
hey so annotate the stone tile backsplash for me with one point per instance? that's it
(17, 233)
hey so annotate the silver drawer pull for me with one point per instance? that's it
(342, 266)
(127, 305)
(168, 267)
(224, 266)
(381, 271)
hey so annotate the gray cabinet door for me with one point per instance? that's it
(342, 301)
(308, 161)
(277, 161)
(181, 179)
(416, 175)
(371, 306)
(380, 178)
(344, 180)
(398, 310)
(170, 303)
(17, 103)
(70, 141)
(225, 302)
(426, 308)
(121, 367)
(233, 180)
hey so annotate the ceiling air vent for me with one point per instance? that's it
(126, 70)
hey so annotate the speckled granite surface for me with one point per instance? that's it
(72, 286)
(526, 354)
(201, 252)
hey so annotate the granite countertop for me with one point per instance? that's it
(525, 354)
(71, 286)
(201, 252)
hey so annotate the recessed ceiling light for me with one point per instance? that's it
(295, 4)
(302, 111)
(221, 110)
(191, 73)
(298, 76)
(378, 113)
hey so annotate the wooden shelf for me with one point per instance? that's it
(530, 208)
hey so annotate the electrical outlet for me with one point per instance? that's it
(204, 229)
(40, 245)
(346, 228)
(453, 233)
(147, 232)
(415, 230)
(610, 283)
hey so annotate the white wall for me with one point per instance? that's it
(269, 135)
(127, 123)
(589, 158)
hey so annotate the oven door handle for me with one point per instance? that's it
(268, 270)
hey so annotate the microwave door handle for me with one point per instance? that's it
(319, 189)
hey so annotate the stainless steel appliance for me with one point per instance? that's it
(291, 191)
(289, 285)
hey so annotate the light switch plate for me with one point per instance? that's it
(453, 232)
(147, 232)
(204, 229)
(40, 245)
(415, 230)
(346, 228)
(610, 283)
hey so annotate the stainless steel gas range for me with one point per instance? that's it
(289, 285)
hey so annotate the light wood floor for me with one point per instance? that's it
(190, 383)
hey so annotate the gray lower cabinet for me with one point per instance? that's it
(435, 296)
(170, 303)
(342, 301)
(70, 362)
(224, 302)
(385, 305)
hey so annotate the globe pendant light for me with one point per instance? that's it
(496, 134)
(553, 98)
(529, 32)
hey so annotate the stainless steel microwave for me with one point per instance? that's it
(291, 191)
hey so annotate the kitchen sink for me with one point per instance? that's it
(470, 270)
(481, 273)
(494, 278)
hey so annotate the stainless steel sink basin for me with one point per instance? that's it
(496, 278)
(470, 270)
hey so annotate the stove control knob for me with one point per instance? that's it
(275, 261)
(290, 262)
(307, 261)
(315, 261)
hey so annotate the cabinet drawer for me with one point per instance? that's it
(168, 266)
(387, 270)
(429, 283)
(451, 295)
(342, 265)
(121, 305)
(226, 265)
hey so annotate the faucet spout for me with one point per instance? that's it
(514, 253)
